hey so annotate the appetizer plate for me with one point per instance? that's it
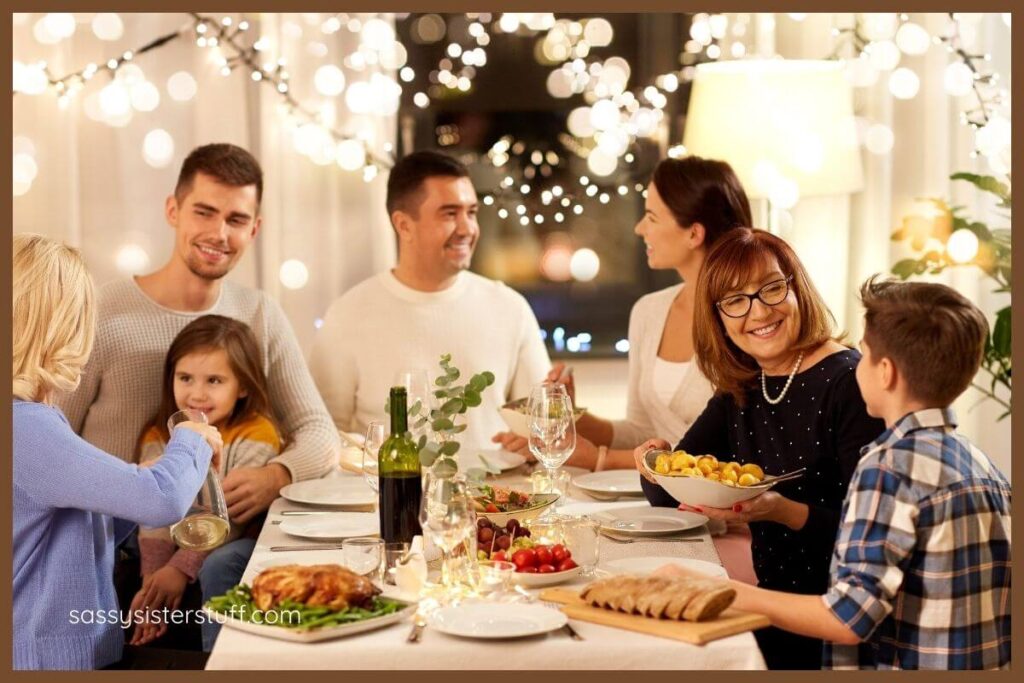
(333, 526)
(316, 634)
(333, 491)
(649, 521)
(610, 483)
(646, 565)
(497, 620)
(529, 580)
(542, 501)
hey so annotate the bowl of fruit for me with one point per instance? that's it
(536, 564)
(705, 480)
(500, 504)
(517, 416)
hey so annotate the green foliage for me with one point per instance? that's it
(994, 259)
(438, 451)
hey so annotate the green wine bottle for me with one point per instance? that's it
(401, 485)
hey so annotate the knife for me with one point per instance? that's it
(279, 548)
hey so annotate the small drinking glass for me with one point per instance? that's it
(393, 553)
(582, 535)
(375, 435)
(206, 524)
(363, 555)
(495, 578)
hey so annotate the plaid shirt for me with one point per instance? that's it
(921, 566)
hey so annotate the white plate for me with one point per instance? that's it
(646, 565)
(332, 491)
(541, 580)
(316, 634)
(649, 521)
(333, 527)
(499, 457)
(496, 620)
(611, 482)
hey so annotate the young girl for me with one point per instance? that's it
(213, 366)
(67, 492)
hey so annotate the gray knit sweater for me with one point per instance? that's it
(120, 389)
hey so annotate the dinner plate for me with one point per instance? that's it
(333, 527)
(610, 483)
(317, 634)
(499, 457)
(649, 521)
(646, 565)
(496, 620)
(332, 491)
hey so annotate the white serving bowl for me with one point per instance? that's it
(542, 502)
(699, 491)
(529, 580)
(519, 422)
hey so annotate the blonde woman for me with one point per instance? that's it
(67, 492)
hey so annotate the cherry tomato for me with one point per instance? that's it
(491, 507)
(567, 564)
(527, 570)
(559, 552)
(524, 558)
(499, 556)
(546, 569)
(544, 555)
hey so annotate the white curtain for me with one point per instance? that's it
(94, 190)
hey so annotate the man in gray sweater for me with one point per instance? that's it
(214, 212)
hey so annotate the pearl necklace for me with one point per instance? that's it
(764, 383)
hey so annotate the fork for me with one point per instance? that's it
(569, 630)
(418, 624)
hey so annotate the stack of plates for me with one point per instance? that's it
(610, 484)
(644, 520)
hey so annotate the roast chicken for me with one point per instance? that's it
(318, 585)
(661, 598)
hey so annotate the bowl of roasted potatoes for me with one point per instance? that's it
(704, 479)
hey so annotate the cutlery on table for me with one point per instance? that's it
(418, 624)
(281, 548)
(643, 539)
(308, 512)
(569, 630)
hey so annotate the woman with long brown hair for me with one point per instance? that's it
(786, 397)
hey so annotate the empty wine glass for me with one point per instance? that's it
(552, 427)
(206, 524)
(375, 435)
(448, 519)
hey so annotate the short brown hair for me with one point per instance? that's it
(226, 163)
(405, 180)
(211, 332)
(704, 191)
(933, 335)
(733, 260)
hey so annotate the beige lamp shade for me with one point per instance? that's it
(785, 126)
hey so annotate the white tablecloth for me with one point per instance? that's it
(603, 648)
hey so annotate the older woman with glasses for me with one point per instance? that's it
(786, 398)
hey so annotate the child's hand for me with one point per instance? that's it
(212, 437)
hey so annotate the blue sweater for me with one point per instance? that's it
(66, 494)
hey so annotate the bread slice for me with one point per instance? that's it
(711, 602)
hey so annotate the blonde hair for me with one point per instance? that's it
(54, 317)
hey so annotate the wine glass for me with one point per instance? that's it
(448, 519)
(375, 435)
(206, 524)
(552, 427)
(420, 397)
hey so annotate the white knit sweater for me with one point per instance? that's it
(380, 327)
(120, 389)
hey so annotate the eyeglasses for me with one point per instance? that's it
(772, 294)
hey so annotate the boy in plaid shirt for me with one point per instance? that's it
(921, 566)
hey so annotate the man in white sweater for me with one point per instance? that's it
(427, 306)
(214, 212)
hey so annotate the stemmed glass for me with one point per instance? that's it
(375, 435)
(552, 427)
(448, 520)
(206, 525)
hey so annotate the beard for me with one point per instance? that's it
(207, 271)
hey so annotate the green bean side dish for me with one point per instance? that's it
(237, 603)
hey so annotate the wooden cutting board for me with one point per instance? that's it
(728, 623)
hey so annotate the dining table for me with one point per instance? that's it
(601, 647)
